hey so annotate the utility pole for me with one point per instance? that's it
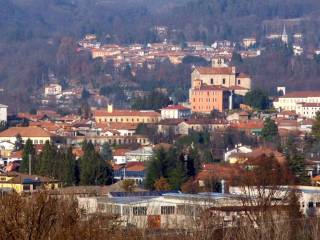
(30, 164)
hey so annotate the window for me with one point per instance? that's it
(211, 80)
(239, 82)
(139, 211)
(310, 204)
(167, 210)
(224, 81)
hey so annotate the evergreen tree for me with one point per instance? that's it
(295, 160)
(257, 99)
(316, 127)
(68, 170)
(93, 169)
(155, 168)
(18, 145)
(106, 152)
(28, 149)
(270, 130)
(178, 176)
(47, 161)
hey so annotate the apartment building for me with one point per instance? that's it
(305, 103)
(206, 98)
(126, 116)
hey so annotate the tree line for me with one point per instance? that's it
(60, 163)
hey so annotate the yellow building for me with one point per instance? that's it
(126, 116)
(36, 134)
(20, 183)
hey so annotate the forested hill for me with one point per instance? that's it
(31, 31)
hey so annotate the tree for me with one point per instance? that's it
(316, 127)
(94, 169)
(177, 176)
(270, 130)
(257, 99)
(28, 150)
(296, 161)
(68, 168)
(106, 152)
(47, 162)
(18, 145)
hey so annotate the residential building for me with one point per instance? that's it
(175, 111)
(308, 109)
(248, 42)
(36, 134)
(126, 116)
(205, 98)
(52, 90)
(142, 154)
(22, 183)
(306, 103)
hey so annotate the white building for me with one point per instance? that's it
(308, 110)
(142, 154)
(238, 149)
(175, 111)
(3, 113)
(53, 89)
(295, 101)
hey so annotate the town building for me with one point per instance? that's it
(3, 113)
(126, 116)
(175, 111)
(248, 42)
(166, 210)
(52, 90)
(36, 134)
(305, 103)
(131, 171)
(217, 88)
(24, 183)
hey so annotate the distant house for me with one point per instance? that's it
(175, 111)
(142, 154)
(52, 90)
(36, 134)
(20, 182)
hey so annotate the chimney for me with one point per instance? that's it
(110, 108)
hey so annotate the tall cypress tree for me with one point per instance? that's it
(93, 169)
(47, 161)
(68, 167)
(28, 150)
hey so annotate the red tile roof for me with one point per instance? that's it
(302, 94)
(32, 131)
(215, 70)
(102, 113)
(175, 107)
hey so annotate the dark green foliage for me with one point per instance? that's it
(28, 149)
(18, 145)
(270, 130)
(316, 128)
(106, 152)
(257, 99)
(47, 161)
(296, 161)
(94, 169)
